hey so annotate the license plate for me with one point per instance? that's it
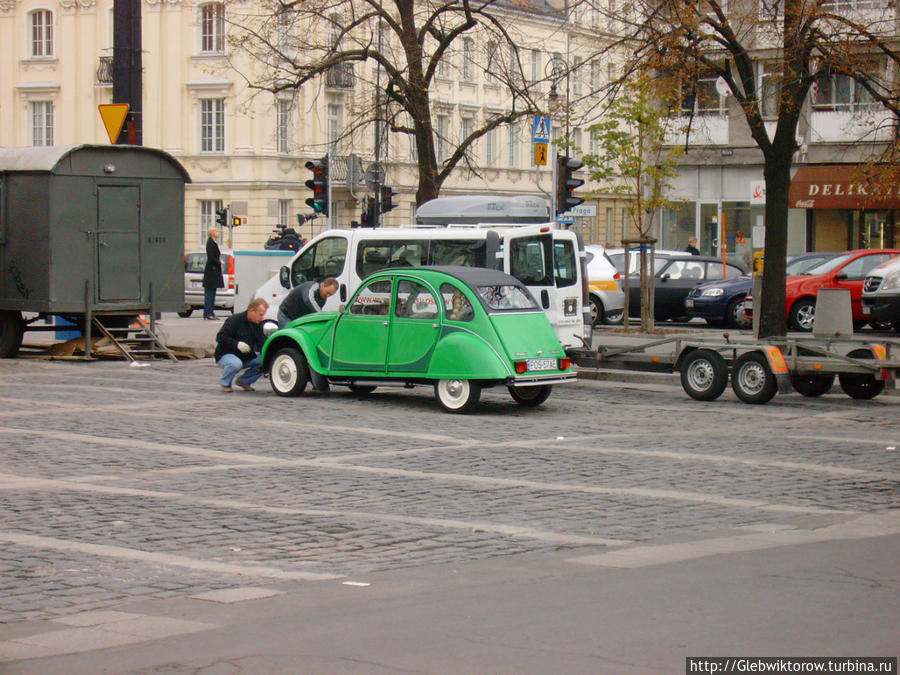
(196, 284)
(688, 303)
(541, 364)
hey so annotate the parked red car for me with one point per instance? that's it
(848, 270)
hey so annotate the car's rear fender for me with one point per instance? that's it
(462, 354)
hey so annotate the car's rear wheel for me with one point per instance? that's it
(457, 396)
(530, 397)
(289, 372)
(186, 313)
(596, 311)
(803, 315)
(736, 316)
(362, 389)
(861, 386)
(704, 375)
(812, 385)
(752, 379)
(614, 317)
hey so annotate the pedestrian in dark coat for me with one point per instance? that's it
(238, 344)
(212, 273)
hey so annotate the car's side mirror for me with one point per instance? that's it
(284, 276)
(664, 277)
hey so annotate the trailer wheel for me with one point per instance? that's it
(812, 385)
(12, 328)
(704, 375)
(752, 379)
(861, 386)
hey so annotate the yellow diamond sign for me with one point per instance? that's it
(113, 116)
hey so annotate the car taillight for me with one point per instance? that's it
(231, 272)
(521, 367)
(617, 276)
(565, 364)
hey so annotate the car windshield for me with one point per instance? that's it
(828, 265)
(506, 297)
(800, 266)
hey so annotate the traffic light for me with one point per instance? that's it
(319, 185)
(566, 183)
(387, 198)
(236, 221)
(368, 217)
(221, 218)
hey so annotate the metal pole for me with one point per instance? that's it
(127, 67)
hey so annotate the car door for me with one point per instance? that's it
(362, 332)
(415, 328)
(673, 283)
(851, 276)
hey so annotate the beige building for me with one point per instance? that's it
(249, 150)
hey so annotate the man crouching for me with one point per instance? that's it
(238, 344)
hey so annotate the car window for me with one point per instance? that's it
(734, 272)
(530, 260)
(195, 262)
(506, 297)
(373, 255)
(715, 271)
(795, 267)
(565, 263)
(468, 252)
(374, 299)
(859, 268)
(828, 265)
(415, 301)
(456, 305)
(684, 269)
(323, 259)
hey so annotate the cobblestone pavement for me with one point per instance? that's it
(125, 483)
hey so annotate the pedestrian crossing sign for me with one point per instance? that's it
(541, 129)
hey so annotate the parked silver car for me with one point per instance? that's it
(194, 262)
(607, 297)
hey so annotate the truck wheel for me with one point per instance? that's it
(704, 375)
(803, 315)
(812, 385)
(530, 397)
(752, 379)
(289, 372)
(457, 396)
(861, 386)
(12, 328)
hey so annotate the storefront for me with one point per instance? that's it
(843, 210)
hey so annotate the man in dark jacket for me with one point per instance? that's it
(238, 344)
(305, 299)
(212, 273)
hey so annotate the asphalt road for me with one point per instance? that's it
(151, 524)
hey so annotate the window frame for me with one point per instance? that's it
(212, 125)
(212, 28)
(42, 119)
(41, 25)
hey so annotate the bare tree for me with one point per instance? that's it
(396, 49)
(805, 43)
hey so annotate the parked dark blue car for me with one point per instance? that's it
(721, 302)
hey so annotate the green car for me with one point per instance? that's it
(458, 329)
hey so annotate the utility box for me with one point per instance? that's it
(254, 268)
(89, 230)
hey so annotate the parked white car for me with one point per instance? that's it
(881, 295)
(617, 256)
(194, 262)
(604, 289)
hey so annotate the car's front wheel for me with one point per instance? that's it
(289, 372)
(803, 315)
(736, 316)
(457, 396)
(530, 397)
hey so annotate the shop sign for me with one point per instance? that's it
(839, 187)
(757, 192)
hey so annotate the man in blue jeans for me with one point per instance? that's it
(238, 344)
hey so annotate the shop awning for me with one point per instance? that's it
(841, 186)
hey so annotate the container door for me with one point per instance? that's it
(118, 243)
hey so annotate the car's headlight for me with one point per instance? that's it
(891, 282)
(712, 292)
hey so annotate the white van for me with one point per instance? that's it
(547, 259)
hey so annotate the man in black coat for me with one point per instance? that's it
(238, 344)
(212, 273)
(307, 298)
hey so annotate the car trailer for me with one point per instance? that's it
(758, 368)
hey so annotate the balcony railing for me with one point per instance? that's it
(105, 70)
(340, 76)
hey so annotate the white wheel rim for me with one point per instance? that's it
(701, 374)
(284, 373)
(752, 378)
(453, 393)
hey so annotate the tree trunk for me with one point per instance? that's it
(771, 304)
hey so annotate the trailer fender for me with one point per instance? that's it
(779, 368)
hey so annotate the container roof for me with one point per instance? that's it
(45, 158)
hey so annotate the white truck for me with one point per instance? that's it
(507, 233)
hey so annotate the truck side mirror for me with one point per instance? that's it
(284, 276)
